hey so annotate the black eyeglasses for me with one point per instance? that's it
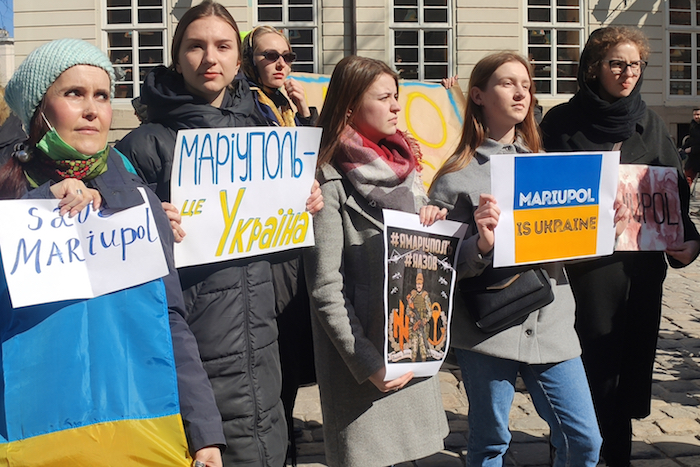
(620, 66)
(273, 56)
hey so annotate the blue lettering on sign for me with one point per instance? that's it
(217, 157)
(121, 238)
(552, 181)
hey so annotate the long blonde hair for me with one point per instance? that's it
(474, 130)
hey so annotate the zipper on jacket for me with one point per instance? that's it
(249, 348)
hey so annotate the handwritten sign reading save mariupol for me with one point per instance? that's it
(48, 258)
(242, 191)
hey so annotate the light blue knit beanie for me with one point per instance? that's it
(43, 66)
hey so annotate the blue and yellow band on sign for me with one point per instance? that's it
(546, 234)
(89, 377)
(555, 210)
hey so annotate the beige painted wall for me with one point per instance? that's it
(481, 26)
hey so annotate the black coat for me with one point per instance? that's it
(618, 297)
(230, 305)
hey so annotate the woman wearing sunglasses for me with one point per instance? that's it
(618, 297)
(267, 62)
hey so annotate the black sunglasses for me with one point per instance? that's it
(273, 56)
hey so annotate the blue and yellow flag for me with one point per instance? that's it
(90, 382)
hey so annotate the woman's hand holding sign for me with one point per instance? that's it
(623, 214)
(686, 252)
(314, 202)
(75, 196)
(377, 379)
(175, 221)
(429, 214)
(486, 219)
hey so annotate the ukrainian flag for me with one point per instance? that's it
(90, 382)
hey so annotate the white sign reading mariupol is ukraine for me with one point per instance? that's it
(242, 191)
(553, 206)
(47, 257)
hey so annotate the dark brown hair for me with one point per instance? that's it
(350, 80)
(474, 130)
(203, 10)
(13, 182)
(605, 39)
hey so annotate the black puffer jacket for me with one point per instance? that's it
(230, 305)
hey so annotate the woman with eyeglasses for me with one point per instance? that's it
(230, 306)
(267, 62)
(618, 297)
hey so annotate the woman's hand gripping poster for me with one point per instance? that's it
(420, 276)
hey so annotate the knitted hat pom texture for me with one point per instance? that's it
(43, 66)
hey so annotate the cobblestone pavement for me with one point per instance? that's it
(669, 437)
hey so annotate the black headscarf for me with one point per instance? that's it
(602, 121)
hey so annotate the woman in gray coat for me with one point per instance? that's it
(542, 346)
(365, 164)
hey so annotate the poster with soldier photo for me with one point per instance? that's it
(419, 282)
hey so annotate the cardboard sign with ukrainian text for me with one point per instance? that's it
(419, 284)
(429, 112)
(553, 206)
(49, 258)
(651, 194)
(242, 192)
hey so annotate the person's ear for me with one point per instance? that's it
(476, 95)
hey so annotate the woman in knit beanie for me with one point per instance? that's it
(62, 94)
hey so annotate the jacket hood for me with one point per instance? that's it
(172, 105)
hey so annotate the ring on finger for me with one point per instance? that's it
(79, 191)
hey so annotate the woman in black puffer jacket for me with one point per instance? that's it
(230, 305)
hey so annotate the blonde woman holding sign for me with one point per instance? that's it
(541, 346)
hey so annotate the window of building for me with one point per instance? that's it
(136, 41)
(422, 39)
(297, 19)
(554, 42)
(684, 47)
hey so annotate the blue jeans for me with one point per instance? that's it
(559, 392)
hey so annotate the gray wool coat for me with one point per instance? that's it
(362, 426)
(547, 335)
